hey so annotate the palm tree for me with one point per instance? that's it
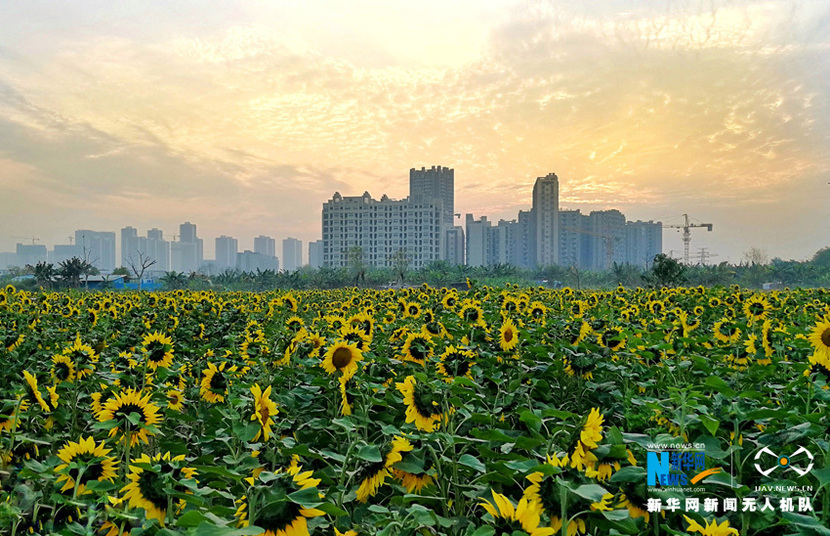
(71, 271)
(173, 280)
(44, 273)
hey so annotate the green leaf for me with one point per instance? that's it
(307, 498)
(332, 510)
(370, 453)
(710, 423)
(134, 418)
(629, 474)
(472, 462)
(718, 385)
(484, 531)
(207, 529)
(806, 521)
(190, 519)
(533, 422)
(592, 492)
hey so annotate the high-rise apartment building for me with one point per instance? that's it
(226, 249)
(607, 228)
(435, 183)
(526, 238)
(478, 241)
(292, 254)
(153, 247)
(315, 253)
(574, 240)
(380, 229)
(98, 248)
(546, 215)
(644, 240)
(187, 255)
(265, 245)
(454, 246)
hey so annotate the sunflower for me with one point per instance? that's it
(346, 398)
(84, 357)
(11, 339)
(417, 348)
(820, 337)
(712, 528)
(590, 434)
(538, 311)
(508, 335)
(63, 368)
(472, 314)
(215, 382)
(580, 364)
(577, 331)
(342, 356)
(757, 308)
(121, 406)
(412, 310)
(34, 391)
(421, 408)
(175, 400)
(264, 410)
(414, 482)
(455, 363)
(281, 517)
(158, 350)
(8, 418)
(726, 332)
(153, 481)
(612, 338)
(373, 475)
(84, 456)
(507, 519)
(353, 334)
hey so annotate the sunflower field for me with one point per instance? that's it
(488, 411)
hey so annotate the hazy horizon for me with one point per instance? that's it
(245, 117)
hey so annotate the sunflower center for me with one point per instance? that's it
(156, 353)
(549, 495)
(62, 371)
(278, 517)
(825, 337)
(124, 411)
(92, 472)
(434, 328)
(341, 358)
(508, 335)
(471, 315)
(218, 382)
(422, 400)
(150, 485)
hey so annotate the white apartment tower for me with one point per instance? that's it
(382, 228)
(546, 215)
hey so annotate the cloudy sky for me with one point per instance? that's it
(244, 117)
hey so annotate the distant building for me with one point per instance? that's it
(574, 242)
(546, 215)
(382, 228)
(478, 241)
(62, 252)
(187, 255)
(607, 228)
(526, 240)
(265, 245)
(434, 183)
(153, 247)
(315, 253)
(29, 254)
(98, 248)
(226, 250)
(454, 245)
(292, 254)
(644, 240)
(251, 261)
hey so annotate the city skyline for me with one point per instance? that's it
(243, 116)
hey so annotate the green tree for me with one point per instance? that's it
(665, 272)
(44, 274)
(357, 266)
(72, 270)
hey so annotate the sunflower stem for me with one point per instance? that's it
(563, 508)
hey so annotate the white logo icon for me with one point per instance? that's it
(783, 461)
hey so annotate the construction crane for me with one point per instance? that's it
(32, 238)
(687, 235)
(608, 239)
